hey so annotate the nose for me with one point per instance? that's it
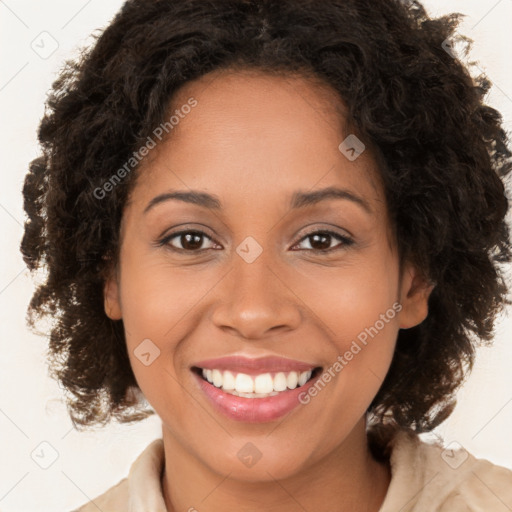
(255, 301)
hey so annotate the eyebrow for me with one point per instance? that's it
(300, 199)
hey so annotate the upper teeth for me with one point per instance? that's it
(264, 383)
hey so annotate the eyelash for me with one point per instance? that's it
(346, 241)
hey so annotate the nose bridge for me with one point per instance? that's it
(254, 279)
(254, 299)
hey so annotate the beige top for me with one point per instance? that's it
(425, 477)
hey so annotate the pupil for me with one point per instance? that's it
(190, 243)
(325, 237)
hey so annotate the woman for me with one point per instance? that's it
(281, 224)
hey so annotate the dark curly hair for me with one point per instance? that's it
(442, 153)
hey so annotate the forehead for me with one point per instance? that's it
(253, 131)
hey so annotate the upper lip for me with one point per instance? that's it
(243, 364)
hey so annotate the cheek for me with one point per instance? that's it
(350, 298)
(357, 308)
(359, 314)
(155, 303)
(155, 295)
(161, 303)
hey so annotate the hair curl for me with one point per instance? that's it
(442, 154)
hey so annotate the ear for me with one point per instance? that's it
(112, 303)
(414, 294)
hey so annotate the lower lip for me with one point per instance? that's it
(254, 410)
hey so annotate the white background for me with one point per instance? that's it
(31, 410)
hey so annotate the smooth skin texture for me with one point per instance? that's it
(253, 140)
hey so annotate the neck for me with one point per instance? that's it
(346, 479)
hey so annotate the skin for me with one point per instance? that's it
(252, 140)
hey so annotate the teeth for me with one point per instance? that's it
(253, 395)
(243, 383)
(217, 378)
(263, 383)
(280, 382)
(303, 377)
(292, 380)
(260, 386)
(228, 381)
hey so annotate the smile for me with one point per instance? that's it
(258, 386)
(256, 398)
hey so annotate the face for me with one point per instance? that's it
(258, 272)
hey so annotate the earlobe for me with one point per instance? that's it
(112, 303)
(415, 292)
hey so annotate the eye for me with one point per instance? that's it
(192, 241)
(320, 241)
(188, 240)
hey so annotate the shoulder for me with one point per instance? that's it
(140, 490)
(115, 497)
(427, 476)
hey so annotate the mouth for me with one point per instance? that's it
(254, 389)
(245, 402)
(256, 385)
